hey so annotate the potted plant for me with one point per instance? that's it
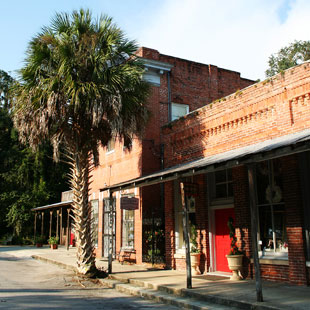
(53, 242)
(38, 241)
(235, 256)
(195, 252)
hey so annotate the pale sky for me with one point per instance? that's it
(238, 35)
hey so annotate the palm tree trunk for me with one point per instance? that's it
(82, 213)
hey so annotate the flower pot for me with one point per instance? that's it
(54, 246)
(195, 261)
(39, 245)
(235, 265)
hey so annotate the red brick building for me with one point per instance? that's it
(178, 87)
(264, 127)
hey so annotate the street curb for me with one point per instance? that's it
(51, 261)
(118, 282)
(160, 296)
(198, 296)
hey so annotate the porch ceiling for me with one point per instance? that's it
(277, 147)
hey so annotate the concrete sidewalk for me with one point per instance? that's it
(222, 291)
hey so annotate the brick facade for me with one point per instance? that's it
(294, 221)
(273, 108)
(269, 109)
(191, 83)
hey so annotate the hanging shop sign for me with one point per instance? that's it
(129, 203)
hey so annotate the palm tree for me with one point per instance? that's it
(80, 87)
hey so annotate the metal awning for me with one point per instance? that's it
(272, 148)
(54, 205)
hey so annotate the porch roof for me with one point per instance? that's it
(272, 148)
(54, 205)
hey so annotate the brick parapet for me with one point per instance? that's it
(262, 111)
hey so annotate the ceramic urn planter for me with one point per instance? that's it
(235, 265)
(195, 260)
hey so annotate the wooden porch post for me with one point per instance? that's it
(35, 226)
(110, 232)
(51, 220)
(57, 223)
(186, 238)
(61, 234)
(254, 225)
(42, 224)
(68, 222)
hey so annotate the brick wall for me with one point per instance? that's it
(169, 224)
(242, 214)
(202, 222)
(275, 272)
(191, 83)
(294, 222)
(269, 109)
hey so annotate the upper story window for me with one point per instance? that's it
(223, 184)
(111, 145)
(178, 110)
(220, 185)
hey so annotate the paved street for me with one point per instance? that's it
(29, 284)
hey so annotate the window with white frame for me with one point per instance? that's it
(190, 201)
(111, 145)
(128, 229)
(178, 110)
(272, 229)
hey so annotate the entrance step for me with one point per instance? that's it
(162, 294)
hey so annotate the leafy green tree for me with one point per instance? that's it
(80, 87)
(6, 81)
(27, 179)
(288, 57)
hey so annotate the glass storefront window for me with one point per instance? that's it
(128, 229)
(271, 208)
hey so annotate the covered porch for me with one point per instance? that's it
(262, 259)
(55, 220)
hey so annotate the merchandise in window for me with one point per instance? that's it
(273, 239)
(190, 201)
(128, 229)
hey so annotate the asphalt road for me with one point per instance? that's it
(26, 283)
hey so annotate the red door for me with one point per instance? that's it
(222, 240)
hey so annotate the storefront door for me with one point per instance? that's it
(222, 240)
(106, 228)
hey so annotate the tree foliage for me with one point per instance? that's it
(6, 81)
(287, 57)
(81, 86)
(27, 179)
